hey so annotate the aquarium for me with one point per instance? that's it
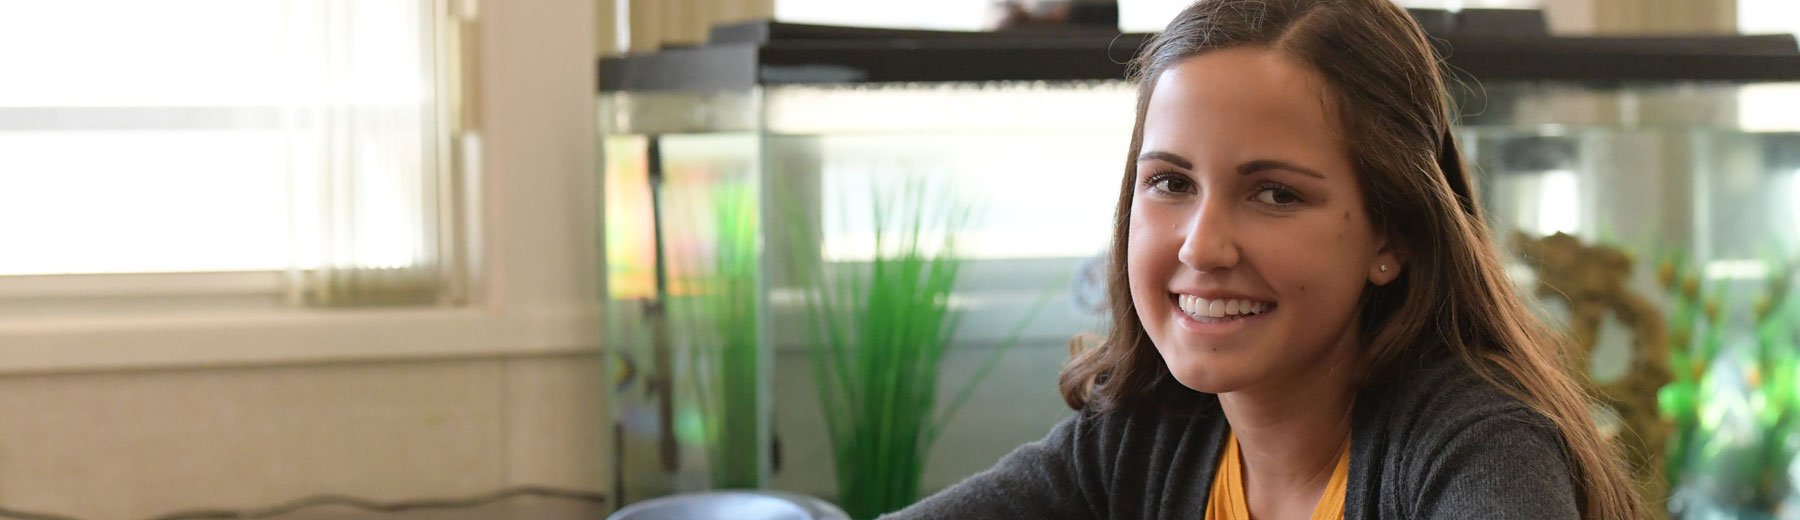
(1037, 185)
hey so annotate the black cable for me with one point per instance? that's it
(366, 504)
(27, 515)
(322, 500)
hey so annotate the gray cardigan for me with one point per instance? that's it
(1440, 444)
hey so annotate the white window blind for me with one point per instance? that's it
(311, 138)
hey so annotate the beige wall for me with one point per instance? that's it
(654, 23)
(1620, 17)
(137, 444)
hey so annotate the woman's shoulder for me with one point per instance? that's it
(1443, 411)
(1443, 394)
(1124, 462)
(1455, 442)
(1133, 441)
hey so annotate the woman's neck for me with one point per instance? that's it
(1290, 433)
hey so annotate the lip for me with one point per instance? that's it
(1216, 329)
(1219, 295)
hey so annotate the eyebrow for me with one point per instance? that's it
(1271, 164)
(1243, 169)
(1159, 155)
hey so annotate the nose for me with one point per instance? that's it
(1211, 241)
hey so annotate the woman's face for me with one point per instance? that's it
(1249, 245)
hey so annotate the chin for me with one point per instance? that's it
(1209, 380)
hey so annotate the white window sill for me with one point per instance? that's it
(191, 340)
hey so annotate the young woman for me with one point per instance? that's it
(1309, 317)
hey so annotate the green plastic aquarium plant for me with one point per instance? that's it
(879, 335)
(1778, 411)
(1739, 424)
(1691, 309)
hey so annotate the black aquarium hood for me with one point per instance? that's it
(1483, 44)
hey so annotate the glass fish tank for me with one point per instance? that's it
(851, 262)
(734, 203)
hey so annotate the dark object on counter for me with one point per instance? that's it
(732, 505)
(1102, 15)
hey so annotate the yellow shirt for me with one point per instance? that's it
(1227, 500)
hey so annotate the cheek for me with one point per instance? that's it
(1324, 281)
(1147, 263)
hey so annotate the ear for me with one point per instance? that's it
(1389, 259)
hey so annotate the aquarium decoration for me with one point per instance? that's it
(879, 334)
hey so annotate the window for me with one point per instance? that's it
(299, 147)
(1768, 16)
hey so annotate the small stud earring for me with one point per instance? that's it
(1384, 268)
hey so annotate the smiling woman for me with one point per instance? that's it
(1309, 319)
(1225, 213)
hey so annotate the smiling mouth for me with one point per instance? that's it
(1214, 311)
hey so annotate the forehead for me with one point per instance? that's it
(1241, 96)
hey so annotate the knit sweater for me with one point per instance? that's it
(1438, 443)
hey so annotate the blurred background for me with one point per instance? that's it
(544, 259)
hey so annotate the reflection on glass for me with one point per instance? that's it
(630, 245)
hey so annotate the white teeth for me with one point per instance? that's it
(1201, 307)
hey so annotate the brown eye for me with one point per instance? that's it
(1277, 195)
(1170, 183)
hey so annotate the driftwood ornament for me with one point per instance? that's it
(1594, 281)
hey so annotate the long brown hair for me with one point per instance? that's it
(1452, 299)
